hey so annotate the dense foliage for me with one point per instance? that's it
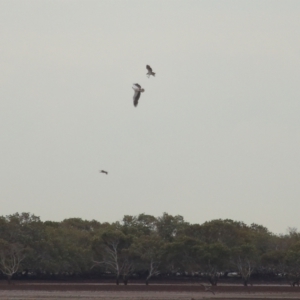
(144, 247)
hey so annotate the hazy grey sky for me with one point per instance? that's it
(216, 133)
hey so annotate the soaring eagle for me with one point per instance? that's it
(149, 71)
(102, 171)
(137, 93)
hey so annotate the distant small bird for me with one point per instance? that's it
(149, 71)
(102, 171)
(207, 288)
(137, 93)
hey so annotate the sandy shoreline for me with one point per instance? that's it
(86, 291)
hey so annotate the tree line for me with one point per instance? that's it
(145, 247)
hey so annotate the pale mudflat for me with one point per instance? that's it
(130, 295)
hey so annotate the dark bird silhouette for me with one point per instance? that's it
(102, 171)
(137, 93)
(150, 72)
(208, 288)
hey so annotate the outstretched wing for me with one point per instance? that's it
(149, 68)
(136, 98)
(136, 87)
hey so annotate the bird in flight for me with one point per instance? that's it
(208, 288)
(137, 93)
(102, 171)
(150, 72)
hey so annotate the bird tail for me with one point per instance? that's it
(153, 73)
(142, 90)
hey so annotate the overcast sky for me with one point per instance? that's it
(216, 133)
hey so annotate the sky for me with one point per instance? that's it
(216, 134)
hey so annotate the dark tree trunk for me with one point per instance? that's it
(9, 279)
(147, 281)
(25, 274)
(295, 283)
(117, 280)
(213, 280)
(125, 280)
